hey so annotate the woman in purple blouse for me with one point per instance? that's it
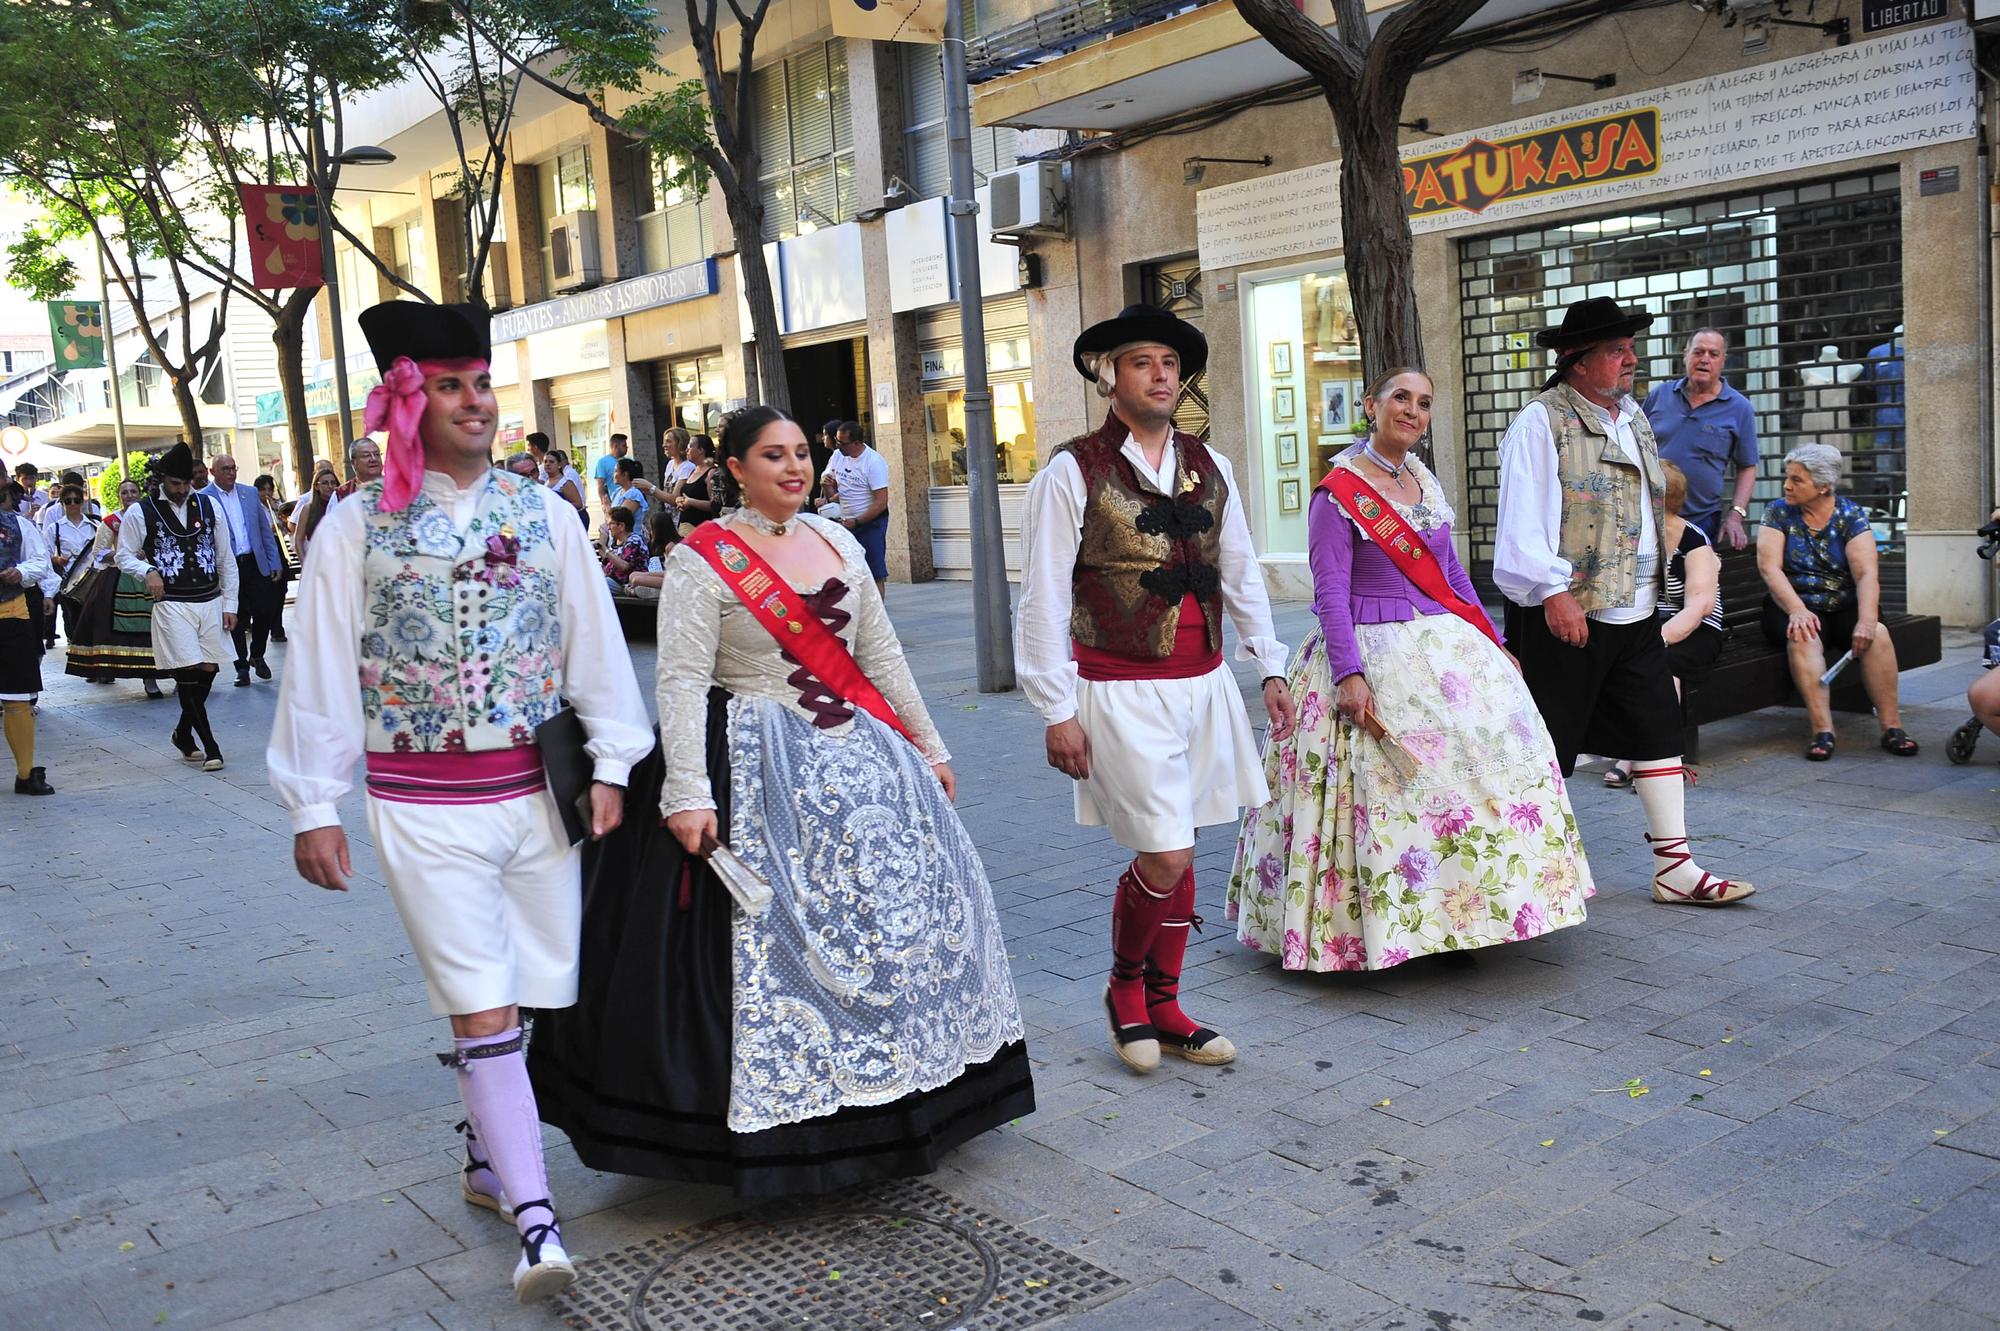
(1418, 807)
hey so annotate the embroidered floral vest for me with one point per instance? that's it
(1143, 552)
(183, 555)
(1601, 497)
(461, 644)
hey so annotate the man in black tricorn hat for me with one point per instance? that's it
(1580, 555)
(1134, 546)
(178, 545)
(445, 616)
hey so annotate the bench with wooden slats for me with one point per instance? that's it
(1751, 673)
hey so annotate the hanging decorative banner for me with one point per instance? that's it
(78, 329)
(283, 222)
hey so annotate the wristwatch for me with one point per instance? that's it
(1739, 510)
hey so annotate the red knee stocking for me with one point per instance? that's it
(1136, 914)
(1163, 963)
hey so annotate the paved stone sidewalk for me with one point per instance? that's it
(218, 1105)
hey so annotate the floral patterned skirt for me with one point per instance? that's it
(1353, 867)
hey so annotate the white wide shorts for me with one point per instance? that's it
(188, 633)
(491, 896)
(1166, 756)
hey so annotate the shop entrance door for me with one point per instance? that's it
(1806, 281)
(825, 383)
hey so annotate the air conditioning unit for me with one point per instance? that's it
(1032, 199)
(573, 250)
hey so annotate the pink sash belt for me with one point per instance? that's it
(485, 777)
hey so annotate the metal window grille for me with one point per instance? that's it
(1175, 286)
(1784, 273)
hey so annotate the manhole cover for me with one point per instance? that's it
(900, 1257)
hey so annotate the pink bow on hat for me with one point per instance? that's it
(397, 405)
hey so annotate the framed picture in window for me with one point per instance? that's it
(1281, 358)
(1284, 403)
(1289, 496)
(1336, 403)
(1288, 450)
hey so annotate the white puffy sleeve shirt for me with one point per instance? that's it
(320, 732)
(1051, 535)
(131, 557)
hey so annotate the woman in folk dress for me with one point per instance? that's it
(1418, 808)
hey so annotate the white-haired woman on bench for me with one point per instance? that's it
(1817, 554)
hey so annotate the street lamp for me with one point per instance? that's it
(363, 155)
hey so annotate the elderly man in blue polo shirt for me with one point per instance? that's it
(1708, 430)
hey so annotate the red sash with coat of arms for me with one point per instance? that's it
(773, 603)
(1398, 540)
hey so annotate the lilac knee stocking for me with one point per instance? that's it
(500, 1104)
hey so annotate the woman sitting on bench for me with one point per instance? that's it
(1817, 555)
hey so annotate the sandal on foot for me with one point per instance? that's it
(544, 1269)
(491, 1201)
(1137, 1046)
(1618, 779)
(1203, 1046)
(1896, 741)
(1821, 747)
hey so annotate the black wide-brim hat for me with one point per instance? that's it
(423, 331)
(1589, 322)
(1143, 323)
(176, 464)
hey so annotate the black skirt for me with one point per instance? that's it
(637, 1072)
(20, 657)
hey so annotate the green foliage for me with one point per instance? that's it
(113, 476)
(677, 130)
(36, 263)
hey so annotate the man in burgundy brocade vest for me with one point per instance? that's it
(1134, 547)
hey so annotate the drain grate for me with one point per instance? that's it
(895, 1257)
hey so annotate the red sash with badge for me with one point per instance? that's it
(1398, 540)
(783, 613)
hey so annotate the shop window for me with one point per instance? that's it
(1305, 367)
(1795, 277)
(924, 149)
(697, 389)
(673, 218)
(408, 257)
(1013, 433)
(801, 109)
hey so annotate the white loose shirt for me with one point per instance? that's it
(68, 538)
(1051, 535)
(132, 547)
(857, 479)
(320, 732)
(1526, 566)
(232, 509)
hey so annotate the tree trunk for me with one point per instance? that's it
(1376, 231)
(288, 332)
(190, 414)
(774, 388)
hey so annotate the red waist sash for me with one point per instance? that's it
(1189, 659)
(485, 777)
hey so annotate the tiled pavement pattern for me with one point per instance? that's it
(218, 1105)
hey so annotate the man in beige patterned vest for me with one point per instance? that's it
(1579, 553)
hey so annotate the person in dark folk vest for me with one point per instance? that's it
(23, 562)
(448, 611)
(179, 546)
(1580, 554)
(1134, 548)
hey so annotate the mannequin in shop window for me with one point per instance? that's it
(1829, 395)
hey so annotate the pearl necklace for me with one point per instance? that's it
(768, 526)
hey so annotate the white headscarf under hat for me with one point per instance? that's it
(1104, 364)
